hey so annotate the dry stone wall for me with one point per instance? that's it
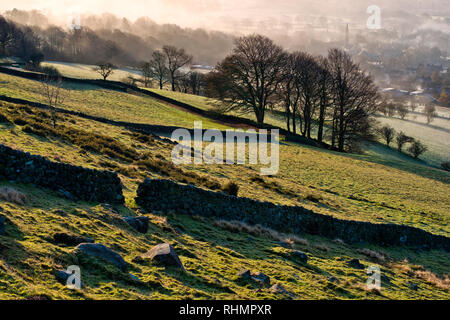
(166, 195)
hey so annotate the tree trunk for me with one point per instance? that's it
(341, 130)
(259, 116)
(321, 122)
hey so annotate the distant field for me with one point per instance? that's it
(83, 71)
(436, 135)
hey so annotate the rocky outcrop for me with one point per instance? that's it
(165, 195)
(165, 254)
(98, 250)
(70, 181)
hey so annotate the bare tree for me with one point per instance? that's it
(147, 73)
(402, 110)
(387, 133)
(248, 79)
(6, 36)
(288, 93)
(402, 139)
(105, 69)
(183, 83)
(308, 81)
(390, 109)
(417, 148)
(355, 98)
(54, 93)
(324, 92)
(176, 59)
(158, 67)
(196, 82)
(430, 112)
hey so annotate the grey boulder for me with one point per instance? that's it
(98, 250)
(140, 224)
(165, 254)
(301, 256)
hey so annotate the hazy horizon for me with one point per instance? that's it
(226, 15)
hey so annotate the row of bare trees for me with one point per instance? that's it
(328, 92)
(165, 66)
(392, 107)
(388, 134)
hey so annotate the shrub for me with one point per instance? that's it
(387, 133)
(417, 148)
(402, 139)
(51, 71)
(231, 188)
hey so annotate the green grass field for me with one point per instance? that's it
(436, 136)
(83, 71)
(357, 187)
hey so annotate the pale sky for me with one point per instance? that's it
(209, 13)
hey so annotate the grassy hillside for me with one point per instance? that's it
(358, 187)
(436, 136)
(84, 71)
(109, 104)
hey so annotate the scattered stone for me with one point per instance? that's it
(260, 277)
(300, 255)
(244, 274)
(138, 223)
(2, 226)
(413, 286)
(278, 288)
(254, 276)
(165, 254)
(354, 263)
(70, 240)
(100, 251)
(62, 276)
